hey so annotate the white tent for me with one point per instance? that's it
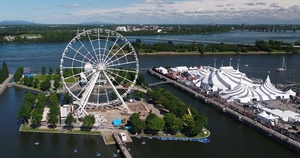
(267, 91)
(291, 92)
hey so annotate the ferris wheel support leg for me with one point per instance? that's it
(117, 93)
(85, 96)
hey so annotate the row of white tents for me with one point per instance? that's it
(232, 84)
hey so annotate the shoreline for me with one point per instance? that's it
(214, 53)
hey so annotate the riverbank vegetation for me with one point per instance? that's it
(271, 46)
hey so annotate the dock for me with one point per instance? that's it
(123, 149)
(237, 114)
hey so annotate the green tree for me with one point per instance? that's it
(18, 74)
(156, 124)
(24, 112)
(173, 124)
(36, 118)
(67, 98)
(35, 82)
(139, 95)
(88, 122)
(137, 124)
(43, 70)
(57, 71)
(70, 120)
(50, 71)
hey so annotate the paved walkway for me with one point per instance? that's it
(4, 85)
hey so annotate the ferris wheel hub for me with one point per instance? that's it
(101, 67)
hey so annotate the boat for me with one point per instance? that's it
(75, 150)
(138, 136)
(114, 155)
(246, 65)
(98, 154)
(150, 136)
(283, 67)
(36, 143)
(143, 142)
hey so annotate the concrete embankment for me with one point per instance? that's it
(26, 87)
(237, 115)
(4, 85)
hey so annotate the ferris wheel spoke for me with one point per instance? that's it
(111, 74)
(112, 47)
(77, 51)
(74, 59)
(91, 42)
(99, 45)
(105, 47)
(124, 70)
(119, 58)
(121, 64)
(88, 52)
(115, 53)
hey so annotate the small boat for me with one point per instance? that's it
(240, 118)
(36, 143)
(246, 65)
(283, 67)
(75, 150)
(143, 142)
(98, 154)
(114, 155)
(150, 137)
(138, 136)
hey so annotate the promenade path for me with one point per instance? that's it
(4, 85)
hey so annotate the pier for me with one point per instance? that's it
(238, 114)
(121, 144)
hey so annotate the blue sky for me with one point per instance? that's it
(152, 11)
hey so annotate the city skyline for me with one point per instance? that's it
(153, 11)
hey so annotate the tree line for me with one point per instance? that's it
(4, 72)
(265, 46)
(180, 117)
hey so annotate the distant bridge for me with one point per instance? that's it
(186, 40)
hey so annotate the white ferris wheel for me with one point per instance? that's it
(98, 68)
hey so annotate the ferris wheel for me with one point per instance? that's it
(98, 68)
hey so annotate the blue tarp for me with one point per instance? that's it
(117, 122)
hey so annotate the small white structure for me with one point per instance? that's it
(45, 114)
(121, 28)
(63, 114)
(123, 136)
(267, 118)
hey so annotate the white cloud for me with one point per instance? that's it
(188, 11)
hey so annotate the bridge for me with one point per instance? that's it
(159, 83)
(186, 40)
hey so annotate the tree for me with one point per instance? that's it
(67, 98)
(70, 120)
(156, 124)
(137, 124)
(24, 112)
(173, 124)
(35, 82)
(36, 117)
(57, 71)
(18, 74)
(53, 100)
(43, 70)
(50, 71)
(139, 95)
(88, 122)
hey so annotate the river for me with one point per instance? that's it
(228, 139)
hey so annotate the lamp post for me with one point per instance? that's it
(215, 63)
(230, 61)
